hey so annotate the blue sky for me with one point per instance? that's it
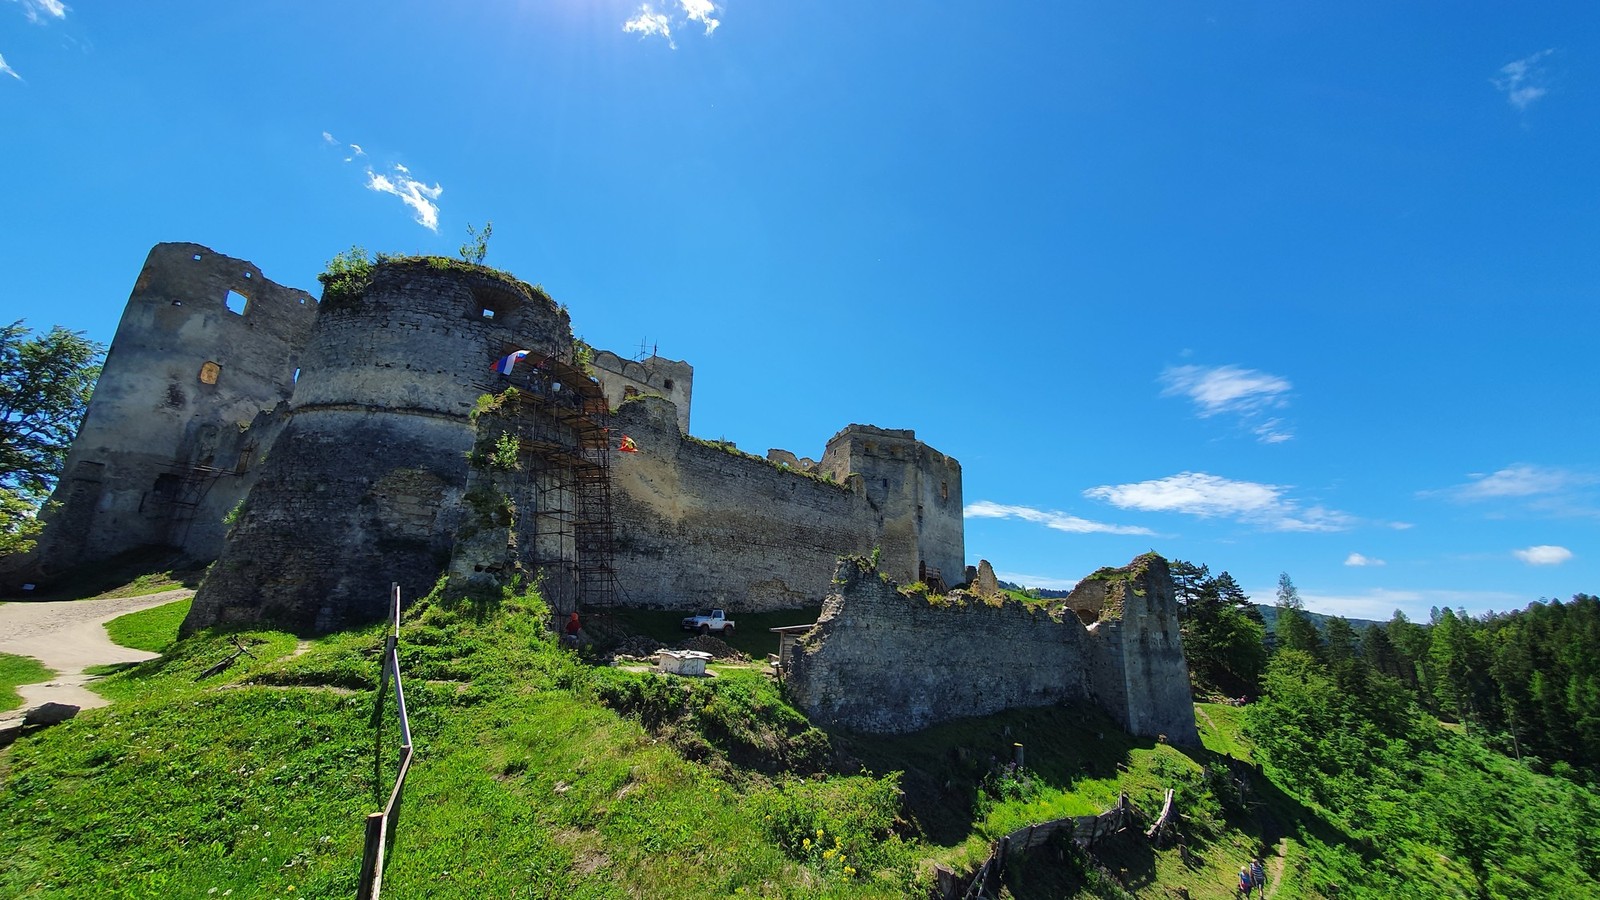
(1305, 288)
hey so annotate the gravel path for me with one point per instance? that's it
(69, 636)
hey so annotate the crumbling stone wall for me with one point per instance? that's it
(623, 378)
(364, 485)
(879, 661)
(168, 442)
(915, 493)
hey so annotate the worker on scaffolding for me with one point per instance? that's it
(573, 627)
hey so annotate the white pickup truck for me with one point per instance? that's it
(714, 622)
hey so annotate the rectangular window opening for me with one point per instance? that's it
(237, 302)
(488, 313)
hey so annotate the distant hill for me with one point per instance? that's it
(1043, 593)
(1269, 615)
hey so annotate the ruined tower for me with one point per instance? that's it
(915, 493)
(364, 485)
(205, 345)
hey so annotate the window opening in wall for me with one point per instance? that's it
(488, 313)
(296, 378)
(209, 372)
(669, 384)
(247, 274)
(197, 257)
(885, 482)
(177, 303)
(237, 302)
(944, 490)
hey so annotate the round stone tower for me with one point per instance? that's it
(364, 485)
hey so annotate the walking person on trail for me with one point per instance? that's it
(1258, 875)
(1245, 881)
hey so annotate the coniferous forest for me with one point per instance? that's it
(1475, 735)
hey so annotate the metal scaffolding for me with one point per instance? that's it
(562, 425)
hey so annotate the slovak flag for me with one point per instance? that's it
(628, 446)
(503, 366)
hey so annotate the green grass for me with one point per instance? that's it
(539, 774)
(16, 671)
(153, 629)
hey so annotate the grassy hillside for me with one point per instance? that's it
(541, 774)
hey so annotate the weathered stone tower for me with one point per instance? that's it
(914, 491)
(205, 345)
(364, 486)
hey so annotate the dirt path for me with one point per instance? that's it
(69, 636)
(1275, 868)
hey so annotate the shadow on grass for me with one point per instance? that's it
(142, 570)
(945, 766)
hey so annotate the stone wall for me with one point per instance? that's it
(883, 662)
(364, 485)
(623, 378)
(699, 525)
(167, 445)
(915, 492)
(880, 661)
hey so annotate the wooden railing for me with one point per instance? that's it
(381, 826)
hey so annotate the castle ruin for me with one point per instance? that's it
(321, 450)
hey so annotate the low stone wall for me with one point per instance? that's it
(879, 661)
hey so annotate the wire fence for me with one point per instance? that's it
(381, 826)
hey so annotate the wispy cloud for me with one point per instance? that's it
(398, 181)
(7, 70)
(986, 509)
(1523, 81)
(1515, 481)
(1230, 390)
(1358, 560)
(41, 11)
(647, 22)
(1543, 555)
(412, 192)
(1210, 496)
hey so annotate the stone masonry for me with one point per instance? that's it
(881, 661)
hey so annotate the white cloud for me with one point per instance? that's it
(40, 10)
(987, 509)
(649, 22)
(1356, 559)
(356, 149)
(7, 70)
(701, 11)
(1543, 555)
(330, 139)
(1208, 496)
(411, 192)
(1516, 480)
(1231, 390)
(1523, 80)
(1048, 582)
